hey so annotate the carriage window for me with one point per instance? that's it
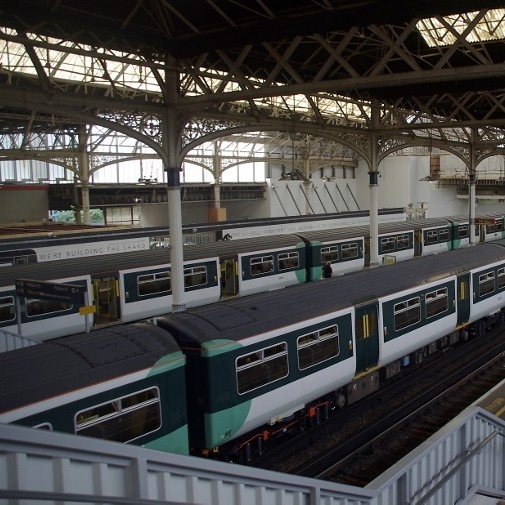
(431, 237)
(463, 231)
(329, 253)
(317, 347)
(36, 307)
(403, 242)
(349, 251)
(436, 302)
(443, 235)
(501, 278)
(387, 244)
(261, 367)
(262, 265)
(123, 419)
(288, 260)
(7, 309)
(407, 313)
(195, 276)
(154, 283)
(486, 283)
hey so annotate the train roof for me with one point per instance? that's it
(241, 318)
(67, 364)
(107, 263)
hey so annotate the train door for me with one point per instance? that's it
(367, 337)
(229, 277)
(418, 242)
(106, 298)
(463, 298)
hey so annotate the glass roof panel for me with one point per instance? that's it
(440, 32)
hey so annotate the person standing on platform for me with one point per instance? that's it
(327, 270)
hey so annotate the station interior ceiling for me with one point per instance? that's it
(404, 74)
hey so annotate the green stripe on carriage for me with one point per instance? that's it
(218, 346)
(169, 362)
(176, 442)
(221, 426)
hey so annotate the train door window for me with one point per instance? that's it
(122, 419)
(463, 289)
(36, 307)
(288, 260)
(329, 253)
(106, 293)
(349, 251)
(318, 346)
(7, 309)
(436, 302)
(195, 276)
(486, 283)
(403, 242)
(407, 313)
(463, 231)
(431, 236)
(154, 283)
(262, 265)
(501, 278)
(261, 367)
(366, 327)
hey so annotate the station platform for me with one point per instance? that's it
(461, 464)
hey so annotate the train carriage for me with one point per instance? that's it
(253, 364)
(124, 384)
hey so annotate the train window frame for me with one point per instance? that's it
(114, 411)
(463, 231)
(345, 250)
(292, 257)
(36, 307)
(434, 302)
(195, 276)
(45, 426)
(501, 278)
(410, 306)
(151, 279)
(329, 253)
(7, 308)
(431, 237)
(264, 264)
(388, 244)
(307, 351)
(487, 283)
(444, 235)
(257, 369)
(403, 242)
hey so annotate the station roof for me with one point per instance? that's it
(363, 49)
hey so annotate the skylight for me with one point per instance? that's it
(478, 27)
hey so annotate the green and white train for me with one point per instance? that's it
(225, 378)
(127, 287)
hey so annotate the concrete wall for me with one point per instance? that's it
(23, 203)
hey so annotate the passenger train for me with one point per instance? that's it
(55, 242)
(124, 288)
(225, 378)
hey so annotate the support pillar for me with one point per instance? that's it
(471, 189)
(374, 189)
(84, 176)
(171, 143)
